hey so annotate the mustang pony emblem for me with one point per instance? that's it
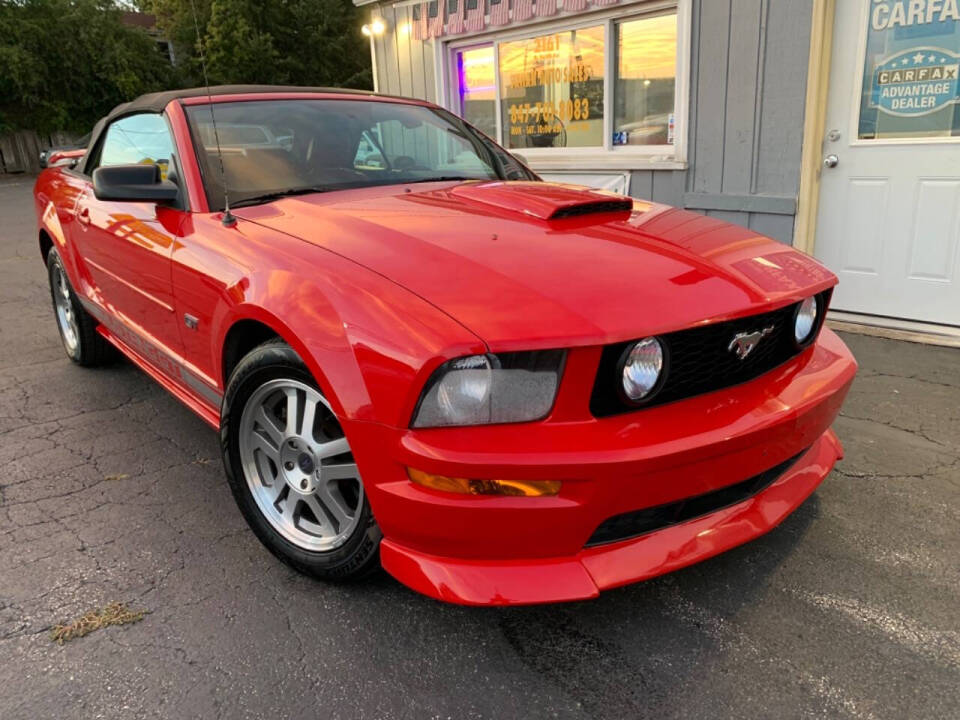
(744, 343)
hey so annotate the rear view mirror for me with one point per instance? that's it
(133, 183)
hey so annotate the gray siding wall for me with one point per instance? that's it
(748, 84)
(747, 89)
(404, 66)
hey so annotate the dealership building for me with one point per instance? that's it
(831, 125)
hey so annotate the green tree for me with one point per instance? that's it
(176, 19)
(295, 42)
(323, 44)
(239, 45)
(64, 63)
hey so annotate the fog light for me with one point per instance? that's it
(642, 368)
(805, 321)
(464, 486)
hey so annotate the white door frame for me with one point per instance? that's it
(814, 124)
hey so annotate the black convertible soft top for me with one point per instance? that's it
(156, 102)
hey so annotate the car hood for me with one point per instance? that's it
(536, 265)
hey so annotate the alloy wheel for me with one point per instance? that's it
(66, 318)
(298, 465)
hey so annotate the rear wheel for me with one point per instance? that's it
(78, 330)
(291, 468)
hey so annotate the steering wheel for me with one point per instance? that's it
(405, 162)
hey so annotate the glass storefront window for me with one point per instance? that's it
(645, 82)
(910, 84)
(551, 90)
(477, 91)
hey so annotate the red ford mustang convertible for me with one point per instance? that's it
(418, 354)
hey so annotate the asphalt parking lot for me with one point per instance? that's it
(112, 491)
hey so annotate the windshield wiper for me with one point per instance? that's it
(439, 178)
(277, 194)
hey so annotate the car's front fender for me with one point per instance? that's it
(369, 343)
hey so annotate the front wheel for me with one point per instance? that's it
(291, 469)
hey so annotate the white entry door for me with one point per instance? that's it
(889, 213)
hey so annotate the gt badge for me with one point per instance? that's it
(744, 343)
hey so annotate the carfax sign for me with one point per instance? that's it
(916, 83)
(911, 78)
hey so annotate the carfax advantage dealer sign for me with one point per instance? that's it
(911, 81)
(914, 83)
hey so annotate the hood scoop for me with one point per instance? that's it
(593, 208)
(543, 200)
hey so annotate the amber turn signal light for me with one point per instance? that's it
(515, 488)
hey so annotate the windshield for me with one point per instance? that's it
(273, 148)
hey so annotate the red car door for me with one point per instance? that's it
(127, 246)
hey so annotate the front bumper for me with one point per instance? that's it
(501, 550)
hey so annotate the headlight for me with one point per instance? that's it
(484, 389)
(642, 368)
(806, 320)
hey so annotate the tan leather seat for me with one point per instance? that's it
(258, 169)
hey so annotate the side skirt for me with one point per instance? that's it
(207, 413)
(194, 393)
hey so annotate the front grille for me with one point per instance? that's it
(699, 360)
(639, 522)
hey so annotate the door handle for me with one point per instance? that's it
(830, 161)
(84, 216)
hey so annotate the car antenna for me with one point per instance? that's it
(228, 219)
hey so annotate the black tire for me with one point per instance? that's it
(90, 348)
(359, 555)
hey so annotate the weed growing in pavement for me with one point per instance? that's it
(113, 614)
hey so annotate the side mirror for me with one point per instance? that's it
(133, 183)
